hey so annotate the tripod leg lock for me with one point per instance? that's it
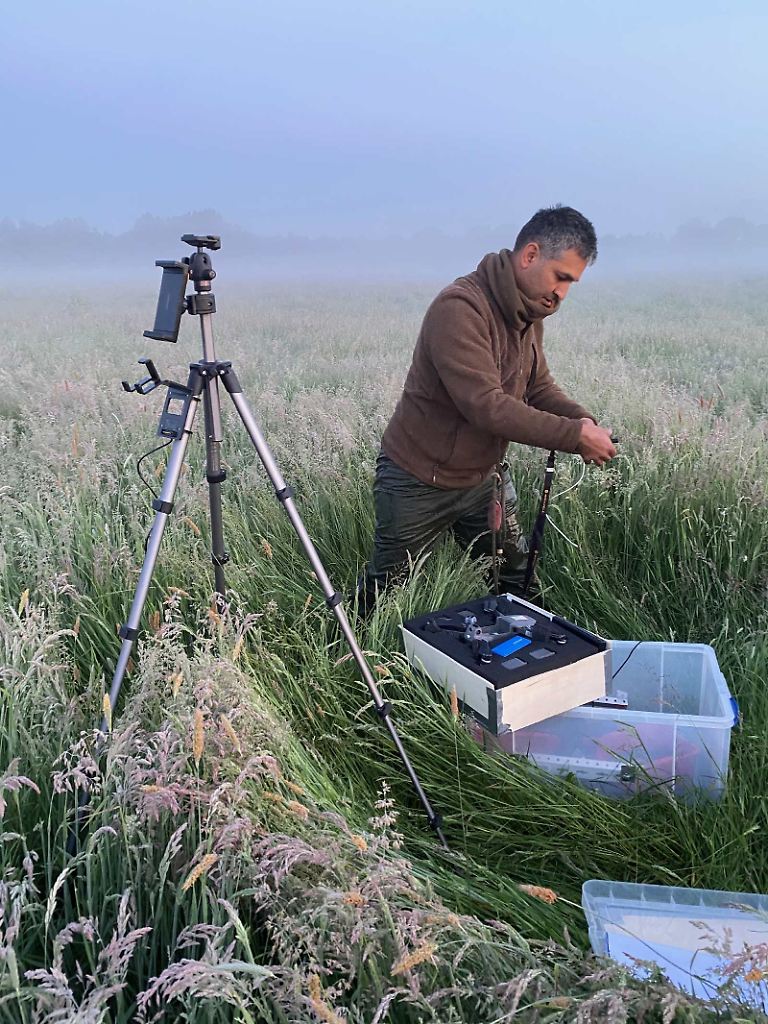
(221, 559)
(385, 710)
(285, 493)
(216, 478)
(436, 822)
(127, 633)
(334, 600)
(229, 379)
(162, 506)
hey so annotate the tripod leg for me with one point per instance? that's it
(332, 598)
(215, 476)
(163, 506)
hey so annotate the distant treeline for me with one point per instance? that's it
(72, 242)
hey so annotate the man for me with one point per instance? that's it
(478, 380)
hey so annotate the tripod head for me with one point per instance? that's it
(171, 303)
(201, 272)
(173, 300)
(203, 241)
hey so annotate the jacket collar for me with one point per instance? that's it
(496, 274)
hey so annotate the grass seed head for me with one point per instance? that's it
(454, 703)
(420, 955)
(106, 707)
(354, 899)
(322, 1010)
(199, 870)
(192, 525)
(539, 892)
(298, 809)
(230, 733)
(450, 919)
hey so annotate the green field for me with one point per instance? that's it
(254, 851)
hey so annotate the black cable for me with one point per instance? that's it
(146, 482)
(146, 455)
(621, 666)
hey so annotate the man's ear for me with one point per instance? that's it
(529, 254)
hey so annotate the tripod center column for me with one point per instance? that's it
(203, 304)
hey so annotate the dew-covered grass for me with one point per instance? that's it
(254, 850)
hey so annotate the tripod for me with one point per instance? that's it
(177, 420)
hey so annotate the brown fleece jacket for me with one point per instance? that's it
(479, 379)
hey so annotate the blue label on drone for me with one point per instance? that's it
(513, 644)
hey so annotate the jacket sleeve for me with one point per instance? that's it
(457, 339)
(544, 393)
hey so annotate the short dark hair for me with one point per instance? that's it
(557, 228)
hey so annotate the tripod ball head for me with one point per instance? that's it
(200, 270)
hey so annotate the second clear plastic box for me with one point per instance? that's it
(675, 732)
(699, 938)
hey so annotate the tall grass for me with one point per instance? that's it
(253, 850)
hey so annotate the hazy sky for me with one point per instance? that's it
(400, 115)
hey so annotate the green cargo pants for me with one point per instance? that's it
(412, 516)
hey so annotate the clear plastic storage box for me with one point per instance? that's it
(700, 938)
(675, 730)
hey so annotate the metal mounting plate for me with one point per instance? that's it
(174, 414)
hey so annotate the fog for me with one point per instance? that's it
(391, 138)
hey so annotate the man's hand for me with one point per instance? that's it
(595, 443)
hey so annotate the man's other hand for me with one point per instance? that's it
(595, 445)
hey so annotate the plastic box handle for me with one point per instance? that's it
(736, 712)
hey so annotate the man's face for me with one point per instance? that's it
(547, 280)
